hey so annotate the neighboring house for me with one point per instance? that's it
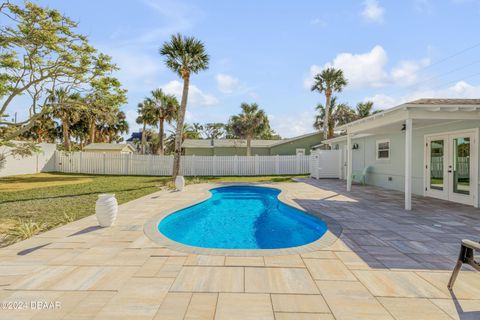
(230, 147)
(121, 148)
(427, 147)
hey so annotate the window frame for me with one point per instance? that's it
(377, 143)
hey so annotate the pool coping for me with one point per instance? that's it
(331, 235)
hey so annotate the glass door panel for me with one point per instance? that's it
(437, 152)
(461, 165)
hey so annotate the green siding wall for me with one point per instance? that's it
(289, 148)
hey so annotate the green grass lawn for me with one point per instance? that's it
(33, 203)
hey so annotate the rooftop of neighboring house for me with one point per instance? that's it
(108, 146)
(239, 143)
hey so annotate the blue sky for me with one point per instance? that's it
(267, 51)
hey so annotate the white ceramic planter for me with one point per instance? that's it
(106, 209)
(180, 183)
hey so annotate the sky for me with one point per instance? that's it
(268, 51)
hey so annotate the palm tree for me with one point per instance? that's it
(184, 56)
(164, 109)
(64, 107)
(214, 131)
(145, 117)
(365, 109)
(328, 81)
(249, 124)
(188, 132)
(340, 114)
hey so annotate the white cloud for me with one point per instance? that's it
(372, 11)
(406, 72)
(369, 69)
(461, 90)
(226, 84)
(361, 70)
(195, 95)
(288, 126)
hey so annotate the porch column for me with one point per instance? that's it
(408, 164)
(349, 161)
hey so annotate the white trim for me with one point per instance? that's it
(377, 142)
(408, 163)
(475, 157)
(349, 161)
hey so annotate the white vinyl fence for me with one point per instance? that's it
(135, 164)
(326, 164)
(37, 162)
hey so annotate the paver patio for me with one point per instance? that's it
(387, 264)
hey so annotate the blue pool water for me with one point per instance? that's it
(242, 217)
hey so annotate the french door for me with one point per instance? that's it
(450, 167)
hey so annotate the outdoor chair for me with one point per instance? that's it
(467, 255)
(360, 176)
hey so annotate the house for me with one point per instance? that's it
(230, 147)
(427, 147)
(120, 148)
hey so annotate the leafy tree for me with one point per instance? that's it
(164, 108)
(328, 81)
(41, 50)
(213, 130)
(184, 56)
(249, 124)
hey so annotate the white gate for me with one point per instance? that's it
(326, 164)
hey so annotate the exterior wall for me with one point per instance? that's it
(124, 151)
(289, 148)
(38, 162)
(198, 151)
(394, 168)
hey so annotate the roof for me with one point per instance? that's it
(428, 105)
(239, 143)
(108, 146)
(447, 101)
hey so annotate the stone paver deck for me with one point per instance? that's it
(387, 264)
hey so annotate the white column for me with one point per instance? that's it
(408, 164)
(349, 161)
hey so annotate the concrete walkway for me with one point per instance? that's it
(387, 264)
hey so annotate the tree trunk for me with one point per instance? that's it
(326, 120)
(92, 131)
(66, 135)
(179, 128)
(249, 143)
(143, 137)
(160, 136)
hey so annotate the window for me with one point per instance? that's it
(300, 152)
(383, 149)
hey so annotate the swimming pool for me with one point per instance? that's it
(242, 217)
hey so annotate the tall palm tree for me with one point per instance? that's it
(249, 124)
(164, 108)
(145, 117)
(339, 114)
(184, 56)
(328, 81)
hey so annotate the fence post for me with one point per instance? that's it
(192, 167)
(104, 163)
(297, 164)
(214, 163)
(55, 158)
(255, 164)
(150, 165)
(80, 162)
(235, 165)
(277, 164)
